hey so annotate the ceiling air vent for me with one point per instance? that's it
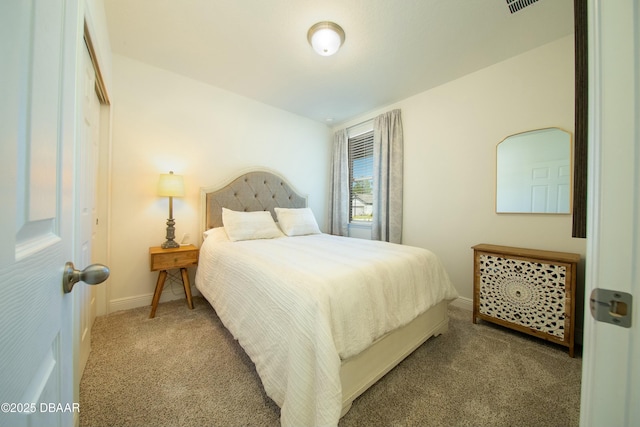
(516, 5)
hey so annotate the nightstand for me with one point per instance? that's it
(168, 259)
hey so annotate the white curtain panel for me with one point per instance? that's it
(387, 177)
(340, 185)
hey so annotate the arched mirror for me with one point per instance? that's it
(534, 172)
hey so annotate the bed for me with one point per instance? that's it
(317, 343)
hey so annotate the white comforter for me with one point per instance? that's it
(298, 305)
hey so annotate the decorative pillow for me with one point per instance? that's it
(216, 234)
(249, 225)
(297, 222)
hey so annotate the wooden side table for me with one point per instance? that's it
(167, 259)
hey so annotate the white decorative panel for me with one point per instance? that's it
(39, 148)
(526, 293)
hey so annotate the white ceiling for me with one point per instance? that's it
(393, 48)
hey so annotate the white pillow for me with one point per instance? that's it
(216, 234)
(297, 222)
(249, 225)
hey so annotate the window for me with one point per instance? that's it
(361, 177)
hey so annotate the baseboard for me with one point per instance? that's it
(463, 303)
(145, 300)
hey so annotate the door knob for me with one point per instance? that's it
(92, 275)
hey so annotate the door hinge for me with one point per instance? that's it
(611, 307)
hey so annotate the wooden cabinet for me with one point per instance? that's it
(528, 290)
(168, 259)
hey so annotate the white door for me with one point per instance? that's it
(86, 184)
(611, 356)
(38, 42)
(549, 186)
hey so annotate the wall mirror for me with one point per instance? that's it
(534, 172)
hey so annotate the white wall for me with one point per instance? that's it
(450, 138)
(163, 121)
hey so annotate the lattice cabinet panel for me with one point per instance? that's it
(528, 290)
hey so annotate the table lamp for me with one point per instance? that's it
(170, 186)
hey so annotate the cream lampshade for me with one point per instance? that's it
(170, 186)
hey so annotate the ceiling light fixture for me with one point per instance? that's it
(326, 37)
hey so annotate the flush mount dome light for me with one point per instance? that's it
(326, 37)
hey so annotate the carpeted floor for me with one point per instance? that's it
(183, 368)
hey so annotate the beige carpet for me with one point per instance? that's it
(183, 368)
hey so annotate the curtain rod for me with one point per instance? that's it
(370, 120)
(358, 124)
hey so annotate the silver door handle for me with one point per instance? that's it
(92, 275)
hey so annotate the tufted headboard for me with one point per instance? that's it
(258, 190)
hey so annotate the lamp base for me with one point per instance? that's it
(170, 244)
(171, 234)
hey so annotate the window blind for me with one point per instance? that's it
(361, 177)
